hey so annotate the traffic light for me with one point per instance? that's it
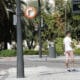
(76, 6)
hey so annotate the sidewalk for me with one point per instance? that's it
(47, 58)
(40, 72)
(43, 73)
(36, 58)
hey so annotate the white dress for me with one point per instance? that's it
(67, 44)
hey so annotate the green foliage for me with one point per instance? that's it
(55, 22)
(45, 45)
(77, 51)
(76, 17)
(8, 53)
(59, 46)
(33, 3)
(32, 52)
(49, 27)
(49, 20)
(11, 53)
(59, 5)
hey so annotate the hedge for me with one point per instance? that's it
(10, 53)
(7, 53)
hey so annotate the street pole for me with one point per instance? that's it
(66, 16)
(20, 61)
(65, 19)
(40, 42)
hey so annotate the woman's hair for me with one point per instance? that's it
(68, 32)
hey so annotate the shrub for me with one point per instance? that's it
(59, 46)
(32, 52)
(45, 45)
(10, 53)
(77, 51)
(6, 53)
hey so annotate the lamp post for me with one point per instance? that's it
(20, 61)
(40, 42)
(65, 15)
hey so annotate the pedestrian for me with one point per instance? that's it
(68, 52)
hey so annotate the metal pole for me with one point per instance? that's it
(65, 19)
(40, 42)
(20, 61)
(66, 27)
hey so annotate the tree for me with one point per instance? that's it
(4, 25)
(53, 24)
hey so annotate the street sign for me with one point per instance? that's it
(76, 6)
(30, 12)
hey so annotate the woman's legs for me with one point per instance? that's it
(67, 60)
(72, 59)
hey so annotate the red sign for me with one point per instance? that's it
(30, 12)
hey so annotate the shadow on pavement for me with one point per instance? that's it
(51, 73)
